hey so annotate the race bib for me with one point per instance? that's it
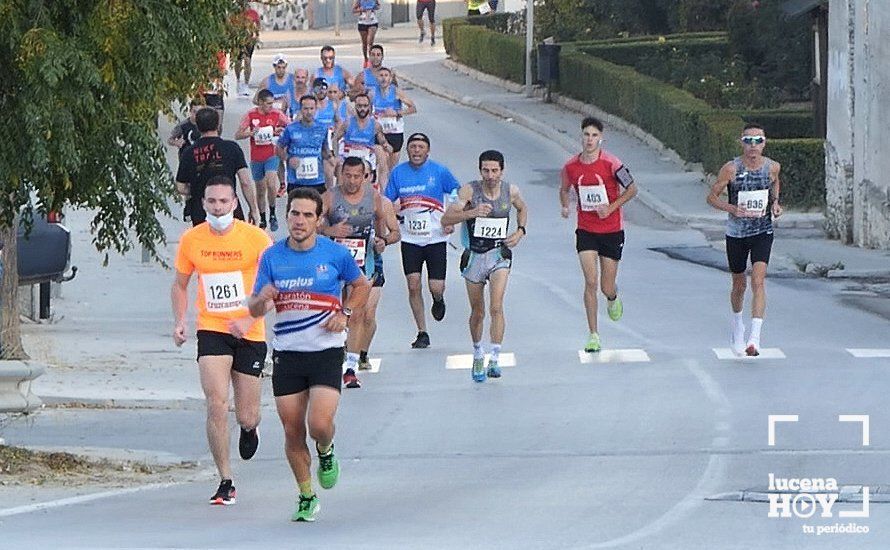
(356, 247)
(264, 135)
(418, 224)
(485, 8)
(223, 291)
(754, 201)
(277, 105)
(366, 17)
(308, 168)
(490, 228)
(359, 152)
(392, 125)
(592, 196)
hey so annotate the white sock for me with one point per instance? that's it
(738, 328)
(495, 352)
(351, 360)
(756, 325)
(477, 350)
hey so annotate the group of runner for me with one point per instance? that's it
(344, 208)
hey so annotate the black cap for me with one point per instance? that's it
(319, 81)
(418, 136)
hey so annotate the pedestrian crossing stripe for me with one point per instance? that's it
(614, 356)
(375, 366)
(869, 353)
(466, 361)
(765, 353)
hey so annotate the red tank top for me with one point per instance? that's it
(586, 179)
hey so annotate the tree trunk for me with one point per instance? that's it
(10, 323)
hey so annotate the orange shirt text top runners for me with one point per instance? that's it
(226, 266)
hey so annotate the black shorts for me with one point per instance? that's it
(247, 51)
(429, 7)
(248, 357)
(738, 248)
(364, 28)
(297, 371)
(435, 256)
(608, 245)
(321, 188)
(396, 140)
(216, 101)
(377, 278)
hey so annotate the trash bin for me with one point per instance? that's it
(548, 63)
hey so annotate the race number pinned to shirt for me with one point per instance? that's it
(223, 291)
(490, 228)
(264, 135)
(366, 17)
(418, 224)
(307, 169)
(277, 105)
(592, 197)
(484, 8)
(356, 247)
(754, 201)
(392, 125)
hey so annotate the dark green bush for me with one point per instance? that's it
(488, 51)
(782, 124)
(803, 170)
(632, 53)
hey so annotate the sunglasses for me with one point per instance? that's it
(753, 140)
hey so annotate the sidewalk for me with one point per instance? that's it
(278, 40)
(667, 185)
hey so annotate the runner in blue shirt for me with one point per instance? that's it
(303, 277)
(418, 189)
(303, 146)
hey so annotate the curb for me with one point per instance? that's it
(186, 403)
(668, 212)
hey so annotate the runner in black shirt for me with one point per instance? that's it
(213, 156)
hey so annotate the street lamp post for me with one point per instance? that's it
(529, 44)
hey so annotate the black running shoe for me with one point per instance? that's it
(262, 224)
(438, 309)
(422, 341)
(248, 442)
(225, 495)
(350, 380)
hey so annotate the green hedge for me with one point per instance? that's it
(488, 51)
(630, 53)
(803, 170)
(675, 117)
(782, 124)
(651, 38)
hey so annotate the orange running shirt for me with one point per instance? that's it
(226, 266)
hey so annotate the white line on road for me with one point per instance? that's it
(765, 353)
(83, 498)
(466, 361)
(869, 353)
(375, 366)
(614, 356)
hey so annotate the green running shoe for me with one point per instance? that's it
(307, 508)
(494, 370)
(593, 345)
(616, 310)
(479, 370)
(328, 469)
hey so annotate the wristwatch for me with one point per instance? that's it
(346, 311)
(522, 227)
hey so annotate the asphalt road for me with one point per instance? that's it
(557, 453)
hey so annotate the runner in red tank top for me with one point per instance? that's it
(601, 185)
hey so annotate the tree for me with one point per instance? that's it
(82, 84)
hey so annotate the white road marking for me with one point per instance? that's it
(765, 353)
(466, 361)
(375, 366)
(869, 353)
(82, 498)
(614, 356)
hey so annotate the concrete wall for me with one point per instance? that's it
(857, 189)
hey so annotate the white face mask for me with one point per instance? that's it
(221, 223)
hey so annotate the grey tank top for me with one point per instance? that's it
(360, 216)
(500, 209)
(749, 180)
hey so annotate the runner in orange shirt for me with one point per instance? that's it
(225, 254)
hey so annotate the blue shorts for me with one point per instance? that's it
(259, 169)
